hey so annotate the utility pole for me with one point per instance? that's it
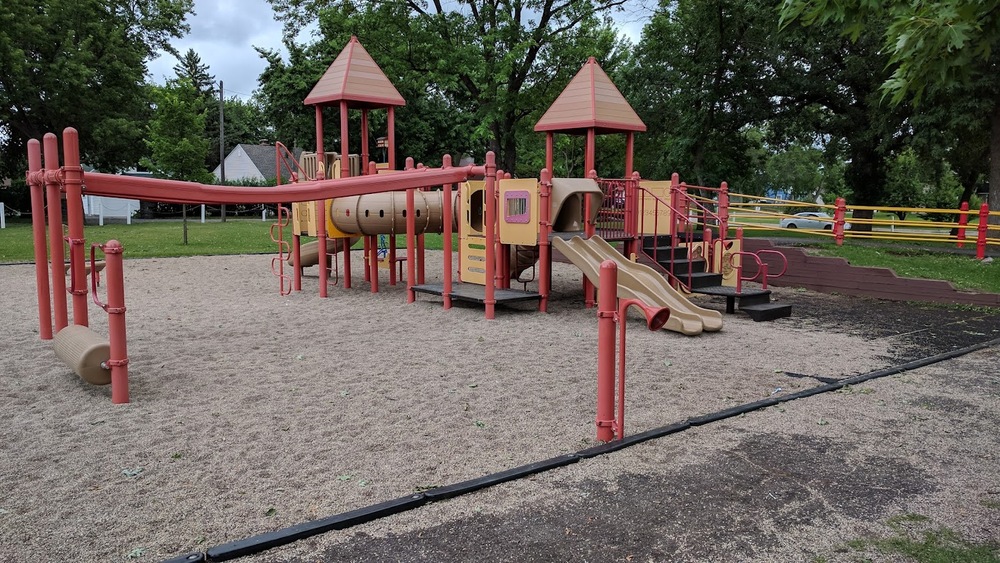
(222, 144)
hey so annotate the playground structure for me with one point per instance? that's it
(504, 225)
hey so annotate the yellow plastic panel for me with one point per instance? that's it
(473, 255)
(472, 195)
(721, 262)
(649, 208)
(518, 212)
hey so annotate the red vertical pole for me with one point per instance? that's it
(838, 221)
(497, 245)
(544, 228)
(366, 247)
(607, 308)
(723, 211)
(296, 260)
(739, 261)
(324, 273)
(448, 219)
(675, 203)
(411, 236)
(392, 258)
(72, 180)
(38, 234)
(629, 149)
(984, 219)
(588, 225)
(491, 226)
(345, 172)
(391, 141)
(373, 261)
(364, 142)
(963, 220)
(549, 149)
(56, 249)
(118, 361)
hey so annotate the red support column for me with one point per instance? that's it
(324, 273)
(366, 247)
(34, 178)
(723, 211)
(607, 309)
(57, 253)
(296, 260)
(984, 219)
(588, 224)
(392, 258)
(549, 149)
(490, 227)
(364, 142)
(118, 361)
(391, 141)
(629, 149)
(838, 221)
(411, 239)
(963, 220)
(448, 219)
(345, 172)
(544, 229)
(372, 261)
(73, 180)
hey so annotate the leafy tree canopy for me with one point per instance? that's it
(80, 63)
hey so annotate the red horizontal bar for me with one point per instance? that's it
(175, 191)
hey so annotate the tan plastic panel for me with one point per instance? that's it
(518, 211)
(649, 224)
(721, 261)
(567, 203)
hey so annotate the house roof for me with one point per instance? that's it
(262, 157)
(590, 100)
(354, 77)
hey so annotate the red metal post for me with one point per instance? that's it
(963, 220)
(607, 311)
(35, 181)
(838, 220)
(345, 172)
(588, 226)
(448, 219)
(675, 205)
(491, 225)
(366, 248)
(629, 149)
(57, 253)
(324, 274)
(296, 260)
(984, 219)
(411, 239)
(364, 142)
(72, 181)
(392, 258)
(373, 261)
(549, 148)
(544, 229)
(391, 141)
(724, 211)
(739, 265)
(116, 322)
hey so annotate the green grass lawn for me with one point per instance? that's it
(248, 236)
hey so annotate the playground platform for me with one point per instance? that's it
(477, 293)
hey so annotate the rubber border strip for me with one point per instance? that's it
(262, 542)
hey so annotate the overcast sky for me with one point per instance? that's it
(224, 35)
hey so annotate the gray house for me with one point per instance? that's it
(256, 162)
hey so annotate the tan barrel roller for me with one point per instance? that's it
(309, 252)
(85, 352)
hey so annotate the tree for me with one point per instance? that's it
(175, 136)
(80, 63)
(500, 63)
(944, 47)
(191, 68)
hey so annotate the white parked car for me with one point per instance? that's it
(810, 220)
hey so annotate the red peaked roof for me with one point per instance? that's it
(356, 78)
(590, 100)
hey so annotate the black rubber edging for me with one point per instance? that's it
(263, 542)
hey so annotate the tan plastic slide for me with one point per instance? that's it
(638, 281)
